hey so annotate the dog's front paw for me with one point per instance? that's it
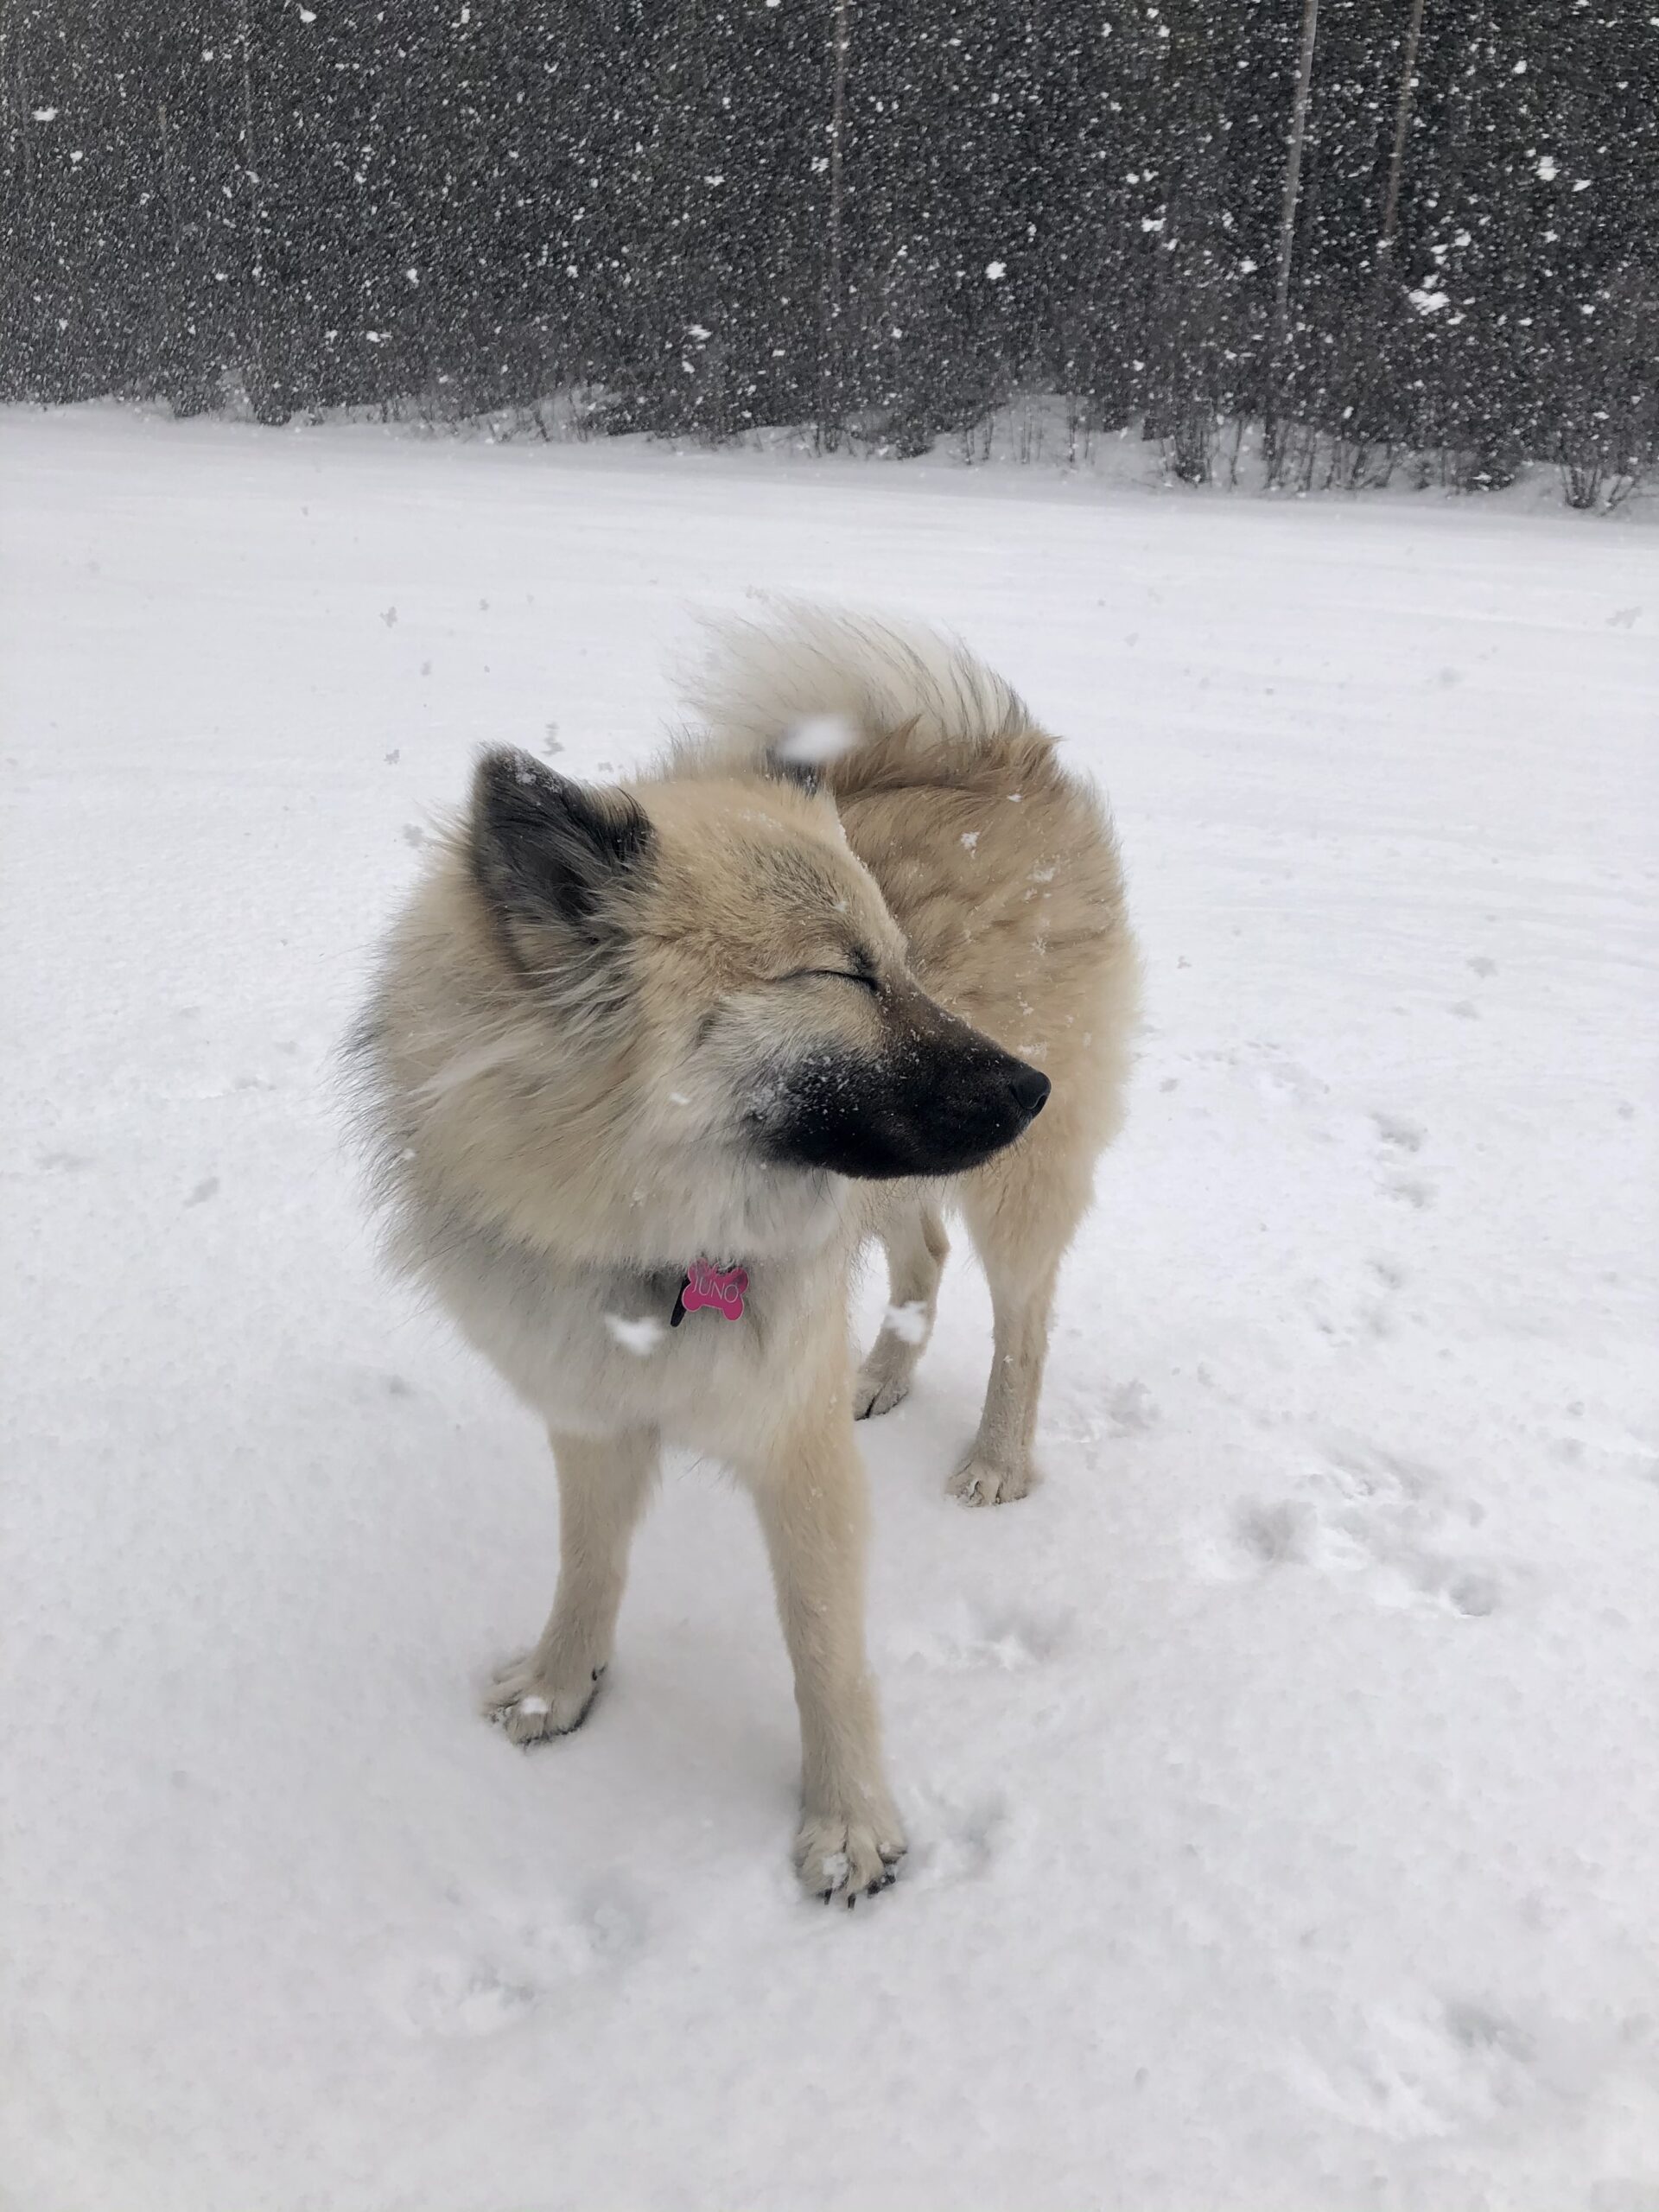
(987, 1482)
(531, 1703)
(841, 1858)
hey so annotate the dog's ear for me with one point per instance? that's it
(546, 849)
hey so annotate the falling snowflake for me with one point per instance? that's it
(816, 739)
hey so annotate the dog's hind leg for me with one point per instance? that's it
(916, 1245)
(1021, 1211)
(999, 1468)
(603, 1485)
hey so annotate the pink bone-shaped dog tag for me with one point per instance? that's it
(707, 1285)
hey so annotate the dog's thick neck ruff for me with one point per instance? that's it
(719, 1289)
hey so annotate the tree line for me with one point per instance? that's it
(1378, 229)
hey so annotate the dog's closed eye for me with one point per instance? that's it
(836, 974)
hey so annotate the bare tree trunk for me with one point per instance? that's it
(20, 144)
(173, 342)
(1287, 219)
(264, 408)
(169, 182)
(1401, 130)
(831, 393)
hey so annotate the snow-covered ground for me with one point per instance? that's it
(1280, 1776)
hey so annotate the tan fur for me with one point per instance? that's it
(557, 1137)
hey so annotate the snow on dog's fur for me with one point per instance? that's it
(755, 1007)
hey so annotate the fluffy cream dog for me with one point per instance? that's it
(645, 1066)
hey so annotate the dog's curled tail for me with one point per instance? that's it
(856, 700)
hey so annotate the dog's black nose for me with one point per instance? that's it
(1030, 1088)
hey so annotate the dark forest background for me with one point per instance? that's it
(1374, 228)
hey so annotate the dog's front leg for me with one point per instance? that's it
(603, 1485)
(813, 1508)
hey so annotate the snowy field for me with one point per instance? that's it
(1281, 1777)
